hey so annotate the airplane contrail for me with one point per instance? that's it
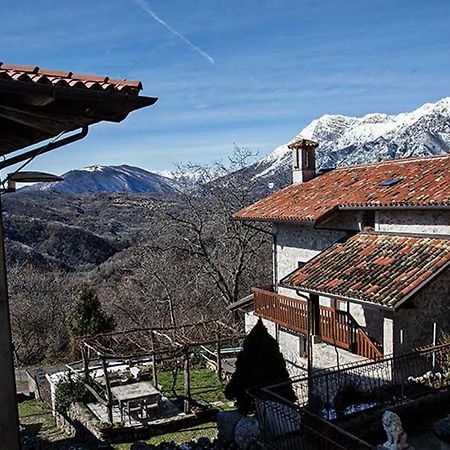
(145, 6)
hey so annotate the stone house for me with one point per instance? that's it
(365, 249)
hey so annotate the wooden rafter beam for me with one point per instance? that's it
(40, 122)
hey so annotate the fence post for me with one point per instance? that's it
(187, 382)
(434, 344)
(108, 390)
(154, 373)
(219, 360)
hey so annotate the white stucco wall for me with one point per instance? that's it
(327, 355)
(414, 221)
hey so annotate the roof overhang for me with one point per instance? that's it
(31, 113)
(335, 296)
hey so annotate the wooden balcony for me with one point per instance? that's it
(336, 327)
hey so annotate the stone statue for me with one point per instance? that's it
(396, 436)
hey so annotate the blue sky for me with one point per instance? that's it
(277, 65)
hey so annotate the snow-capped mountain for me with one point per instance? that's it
(109, 179)
(349, 140)
(342, 140)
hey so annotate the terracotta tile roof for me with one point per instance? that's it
(378, 268)
(39, 104)
(422, 182)
(33, 74)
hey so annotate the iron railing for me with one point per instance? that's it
(338, 392)
(352, 387)
(286, 426)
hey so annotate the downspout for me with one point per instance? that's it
(45, 148)
(309, 341)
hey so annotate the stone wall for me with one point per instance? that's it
(289, 342)
(297, 243)
(345, 220)
(250, 322)
(292, 348)
(414, 221)
(83, 423)
(413, 321)
(327, 355)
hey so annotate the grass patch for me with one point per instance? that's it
(207, 429)
(205, 385)
(37, 418)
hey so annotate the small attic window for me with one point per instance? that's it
(391, 182)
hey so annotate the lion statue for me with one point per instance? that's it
(396, 436)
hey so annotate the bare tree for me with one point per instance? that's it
(199, 224)
(39, 303)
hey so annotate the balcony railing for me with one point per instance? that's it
(336, 327)
(285, 311)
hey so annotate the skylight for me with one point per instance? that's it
(391, 182)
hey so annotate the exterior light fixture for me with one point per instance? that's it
(29, 177)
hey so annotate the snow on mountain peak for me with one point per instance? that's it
(374, 136)
(95, 168)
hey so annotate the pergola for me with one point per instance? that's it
(156, 345)
(38, 105)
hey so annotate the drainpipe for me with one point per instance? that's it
(309, 341)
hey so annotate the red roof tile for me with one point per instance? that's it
(385, 275)
(39, 104)
(33, 74)
(424, 182)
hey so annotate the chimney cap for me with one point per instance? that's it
(302, 143)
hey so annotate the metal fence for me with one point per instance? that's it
(286, 426)
(337, 392)
(356, 386)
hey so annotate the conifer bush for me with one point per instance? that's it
(87, 316)
(260, 363)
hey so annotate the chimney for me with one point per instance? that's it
(303, 160)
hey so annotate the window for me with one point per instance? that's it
(368, 219)
(392, 182)
(307, 159)
(341, 305)
(296, 158)
(303, 345)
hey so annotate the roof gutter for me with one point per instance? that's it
(262, 219)
(70, 93)
(390, 207)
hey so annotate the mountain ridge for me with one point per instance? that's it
(345, 140)
(97, 178)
